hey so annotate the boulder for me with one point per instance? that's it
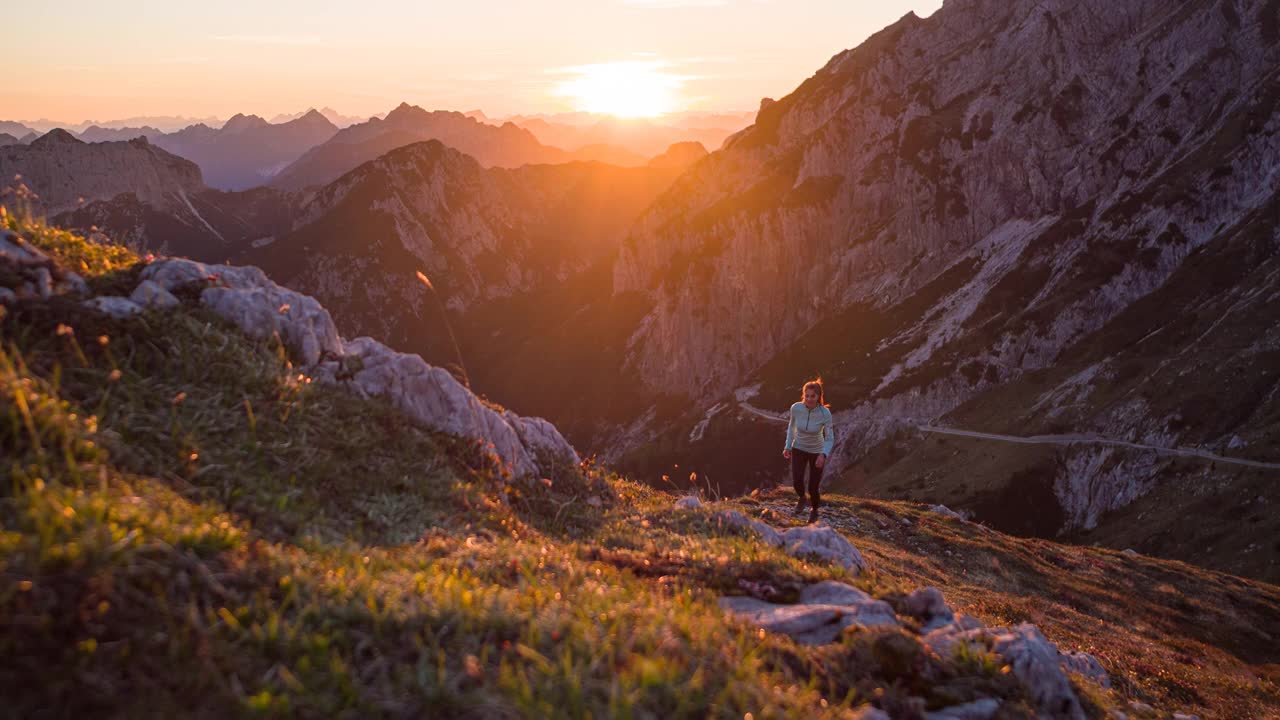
(822, 614)
(983, 709)
(688, 502)
(435, 398)
(1035, 661)
(944, 510)
(151, 294)
(823, 543)
(1087, 666)
(733, 518)
(116, 307)
(245, 297)
(929, 607)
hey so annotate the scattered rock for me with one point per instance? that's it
(983, 709)
(260, 308)
(904, 520)
(871, 713)
(30, 273)
(824, 543)
(929, 607)
(824, 611)
(688, 502)
(1185, 716)
(1088, 666)
(1035, 661)
(151, 294)
(116, 307)
(733, 518)
(944, 510)
(1130, 552)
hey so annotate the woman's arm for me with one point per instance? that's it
(828, 435)
(791, 432)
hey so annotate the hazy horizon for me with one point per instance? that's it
(625, 57)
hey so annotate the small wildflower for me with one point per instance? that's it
(193, 457)
(150, 257)
(283, 309)
(103, 340)
(472, 666)
(177, 399)
(547, 482)
(64, 330)
(115, 375)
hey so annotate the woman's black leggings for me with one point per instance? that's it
(799, 461)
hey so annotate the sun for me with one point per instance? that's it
(629, 89)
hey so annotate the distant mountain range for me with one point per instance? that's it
(507, 145)
(247, 151)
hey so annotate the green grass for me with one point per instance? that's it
(192, 528)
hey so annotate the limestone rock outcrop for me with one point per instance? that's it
(262, 309)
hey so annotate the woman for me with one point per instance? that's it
(809, 441)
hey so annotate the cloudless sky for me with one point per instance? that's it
(74, 60)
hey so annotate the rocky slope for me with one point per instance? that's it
(255, 542)
(247, 150)
(965, 201)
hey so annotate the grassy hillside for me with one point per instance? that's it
(193, 528)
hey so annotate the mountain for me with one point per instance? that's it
(95, 133)
(482, 235)
(247, 150)
(165, 123)
(211, 225)
(142, 196)
(305, 527)
(333, 116)
(7, 139)
(493, 146)
(1013, 218)
(15, 129)
(680, 155)
(67, 173)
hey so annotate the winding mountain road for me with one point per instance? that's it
(1068, 439)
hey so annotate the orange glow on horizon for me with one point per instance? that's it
(627, 89)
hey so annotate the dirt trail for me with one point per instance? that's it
(1090, 439)
(1067, 439)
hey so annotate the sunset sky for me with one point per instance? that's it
(79, 60)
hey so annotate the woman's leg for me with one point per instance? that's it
(797, 471)
(815, 482)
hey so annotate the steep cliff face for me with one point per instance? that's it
(965, 202)
(1060, 138)
(66, 173)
